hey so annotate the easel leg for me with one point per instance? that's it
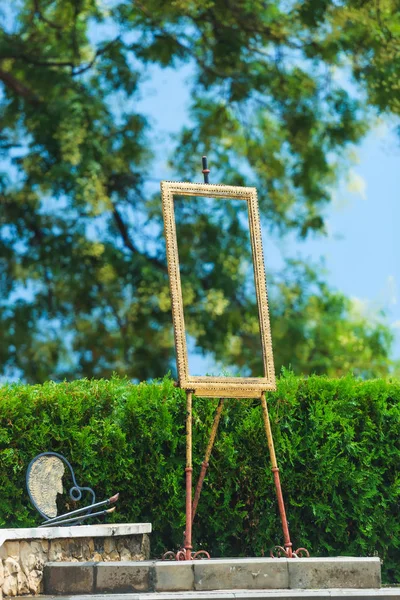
(185, 553)
(204, 464)
(188, 471)
(275, 471)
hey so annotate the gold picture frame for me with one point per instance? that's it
(217, 387)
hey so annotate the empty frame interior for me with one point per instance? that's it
(217, 386)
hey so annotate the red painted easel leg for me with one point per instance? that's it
(188, 471)
(275, 471)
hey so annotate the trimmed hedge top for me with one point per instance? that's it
(337, 444)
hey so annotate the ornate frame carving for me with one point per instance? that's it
(217, 387)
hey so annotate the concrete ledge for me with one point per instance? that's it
(173, 576)
(238, 574)
(334, 594)
(324, 573)
(241, 573)
(80, 578)
(74, 531)
(123, 577)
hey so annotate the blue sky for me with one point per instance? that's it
(362, 250)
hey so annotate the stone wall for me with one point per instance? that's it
(22, 561)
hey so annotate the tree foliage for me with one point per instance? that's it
(82, 260)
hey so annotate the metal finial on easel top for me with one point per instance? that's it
(206, 170)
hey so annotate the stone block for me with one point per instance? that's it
(68, 578)
(11, 566)
(55, 550)
(173, 576)
(27, 558)
(44, 545)
(134, 545)
(99, 545)
(10, 585)
(125, 554)
(145, 547)
(87, 550)
(33, 555)
(241, 573)
(123, 577)
(120, 544)
(35, 581)
(12, 550)
(340, 572)
(75, 550)
(22, 583)
(109, 545)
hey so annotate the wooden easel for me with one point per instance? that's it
(186, 553)
(215, 387)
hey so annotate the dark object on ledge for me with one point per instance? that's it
(44, 482)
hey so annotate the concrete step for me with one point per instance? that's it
(209, 575)
(386, 593)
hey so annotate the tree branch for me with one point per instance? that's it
(18, 88)
(98, 53)
(60, 63)
(128, 242)
(36, 62)
(177, 41)
(39, 13)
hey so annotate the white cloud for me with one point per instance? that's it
(357, 184)
(359, 307)
(381, 128)
(362, 308)
(340, 200)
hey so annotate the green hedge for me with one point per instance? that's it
(337, 442)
